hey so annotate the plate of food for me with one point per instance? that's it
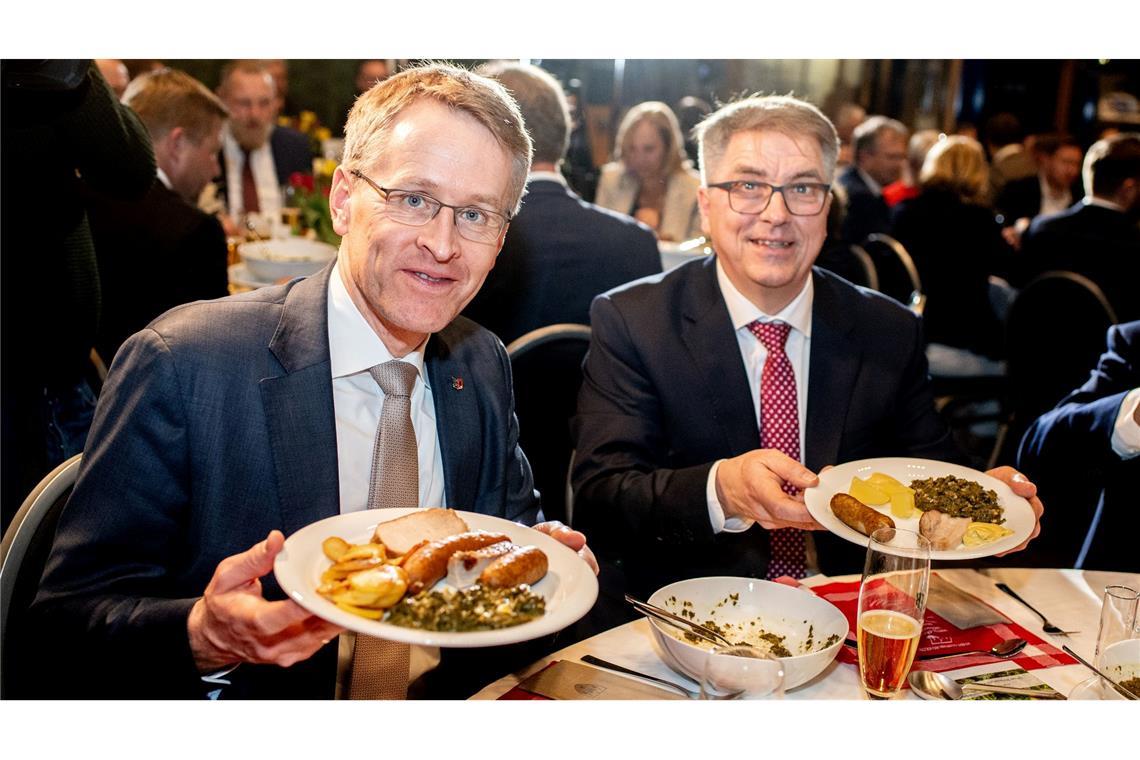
(965, 513)
(435, 577)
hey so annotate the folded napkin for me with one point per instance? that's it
(566, 679)
(955, 606)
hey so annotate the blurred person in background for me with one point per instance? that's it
(1097, 237)
(369, 73)
(950, 232)
(650, 178)
(1009, 158)
(906, 186)
(115, 72)
(257, 155)
(691, 111)
(162, 250)
(879, 146)
(63, 130)
(849, 116)
(1053, 188)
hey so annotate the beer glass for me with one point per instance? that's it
(1119, 617)
(892, 603)
(741, 672)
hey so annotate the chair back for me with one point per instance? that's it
(24, 552)
(896, 272)
(547, 368)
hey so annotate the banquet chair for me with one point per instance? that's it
(896, 272)
(24, 552)
(1054, 333)
(547, 367)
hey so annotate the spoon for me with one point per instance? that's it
(1006, 648)
(930, 685)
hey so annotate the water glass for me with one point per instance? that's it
(1119, 618)
(892, 604)
(741, 672)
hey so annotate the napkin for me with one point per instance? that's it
(959, 608)
(566, 679)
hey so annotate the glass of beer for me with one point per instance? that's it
(892, 603)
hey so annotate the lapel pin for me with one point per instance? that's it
(457, 383)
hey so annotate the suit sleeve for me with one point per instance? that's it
(623, 489)
(521, 500)
(109, 599)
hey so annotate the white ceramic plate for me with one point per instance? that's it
(1016, 510)
(569, 586)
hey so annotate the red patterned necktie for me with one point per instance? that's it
(780, 430)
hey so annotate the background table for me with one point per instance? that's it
(1070, 598)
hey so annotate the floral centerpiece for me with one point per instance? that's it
(309, 193)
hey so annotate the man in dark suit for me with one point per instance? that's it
(1085, 456)
(257, 155)
(560, 251)
(1054, 187)
(1099, 236)
(880, 146)
(228, 422)
(162, 251)
(698, 382)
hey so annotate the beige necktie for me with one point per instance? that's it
(379, 666)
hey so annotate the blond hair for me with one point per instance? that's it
(957, 164)
(484, 99)
(779, 113)
(167, 98)
(661, 118)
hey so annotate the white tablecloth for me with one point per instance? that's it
(1070, 598)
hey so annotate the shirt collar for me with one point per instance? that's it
(743, 312)
(164, 179)
(1092, 200)
(547, 177)
(353, 345)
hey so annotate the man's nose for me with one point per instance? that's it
(777, 210)
(440, 236)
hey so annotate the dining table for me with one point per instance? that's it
(1070, 598)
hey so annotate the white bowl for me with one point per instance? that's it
(271, 260)
(775, 608)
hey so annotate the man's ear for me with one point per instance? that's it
(703, 206)
(340, 197)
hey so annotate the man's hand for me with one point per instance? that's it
(1021, 486)
(233, 622)
(574, 539)
(751, 486)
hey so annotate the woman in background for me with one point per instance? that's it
(651, 179)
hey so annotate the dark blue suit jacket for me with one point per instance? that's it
(666, 394)
(559, 253)
(292, 152)
(866, 212)
(1068, 453)
(215, 426)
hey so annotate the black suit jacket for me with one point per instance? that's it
(1101, 243)
(866, 212)
(666, 394)
(559, 253)
(154, 254)
(1068, 453)
(216, 425)
(1021, 198)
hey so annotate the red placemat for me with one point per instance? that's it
(941, 637)
(517, 692)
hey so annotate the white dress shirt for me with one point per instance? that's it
(354, 347)
(264, 177)
(1126, 433)
(743, 312)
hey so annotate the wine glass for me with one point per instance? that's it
(1119, 618)
(892, 603)
(741, 672)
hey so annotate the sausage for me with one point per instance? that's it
(464, 568)
(858, 516)
(428, 563)
(523, 564)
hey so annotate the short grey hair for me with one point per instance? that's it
(866, 135)
(545, 111)
(778, 113)
(485, 100)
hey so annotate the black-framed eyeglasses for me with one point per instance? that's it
(416, 208)
(749, 196)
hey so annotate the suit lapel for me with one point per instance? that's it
(299, 408)
(457, 420)
(834, 365)
(707, 333)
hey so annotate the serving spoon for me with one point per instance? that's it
(930, 685)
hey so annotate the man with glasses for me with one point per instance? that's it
(226, 424)
(713, 393)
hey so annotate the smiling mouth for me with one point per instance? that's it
(425, 277)
(773, 244)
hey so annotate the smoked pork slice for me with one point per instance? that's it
(402, 534)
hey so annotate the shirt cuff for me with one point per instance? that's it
(716, 511)
(1126, 433)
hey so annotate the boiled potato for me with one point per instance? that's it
(868, 493)
(902, 502)
(884, 481)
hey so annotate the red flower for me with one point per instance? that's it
(301, 180)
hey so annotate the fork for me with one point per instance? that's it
(1047, 627)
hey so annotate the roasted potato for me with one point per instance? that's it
(334, 547)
